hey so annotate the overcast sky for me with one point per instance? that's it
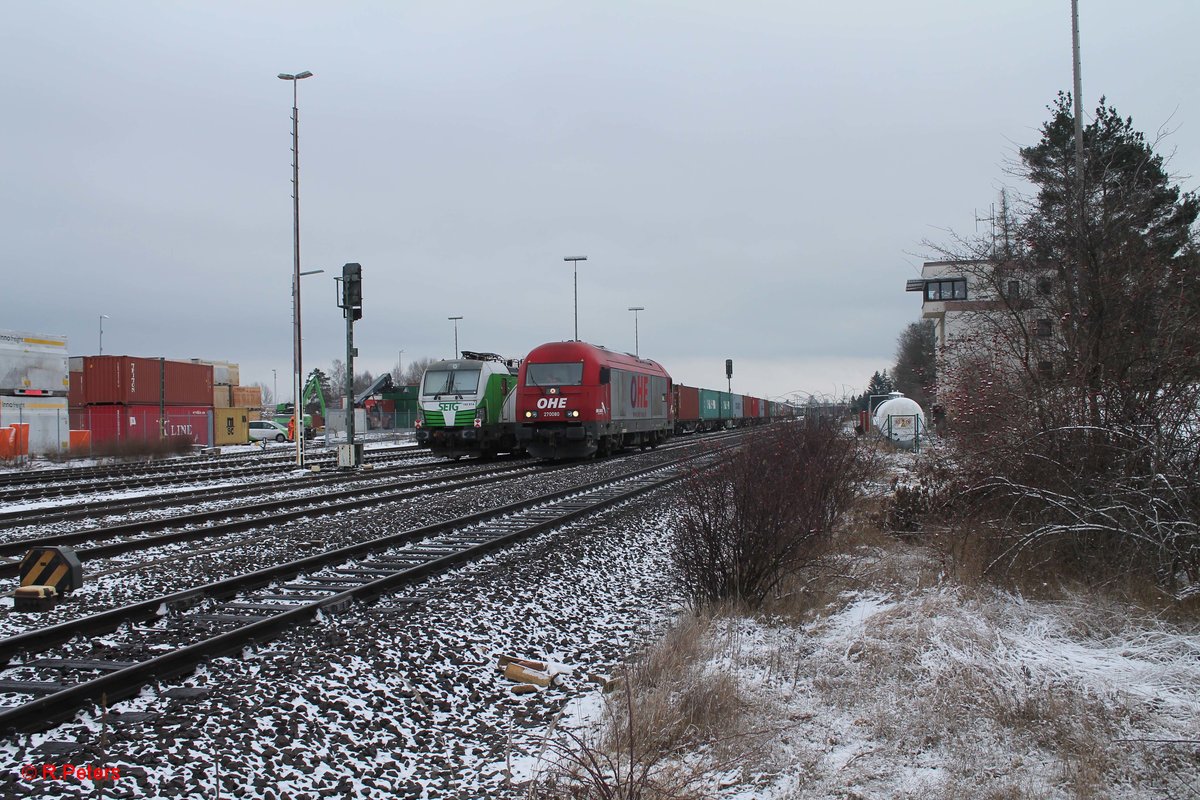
(759, 176)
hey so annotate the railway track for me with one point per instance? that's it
(130, 536)
(188, 627)
(157, 479)
(186, 465)
(43, 515)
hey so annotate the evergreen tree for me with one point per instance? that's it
(915, 373)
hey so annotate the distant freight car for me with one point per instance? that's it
(576, 399)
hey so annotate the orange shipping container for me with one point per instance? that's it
(245, 396)
(81, 441)
(21, 438)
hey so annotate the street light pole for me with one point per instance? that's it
(635, 310)
(575, 262)
(274, 386)
(400, 368)
(455, 321)
(102, 318)
(297, 361)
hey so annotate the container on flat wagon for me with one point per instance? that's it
(141, 422)
(688, 409)
(737, 406)
(132, 380)
(231, 426)
(710, 404)
(752, 406)
(245, 396)
(33, 362)
(48, 420)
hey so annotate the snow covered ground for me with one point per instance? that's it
(902, 683)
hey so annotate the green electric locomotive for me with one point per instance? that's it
(467, 406)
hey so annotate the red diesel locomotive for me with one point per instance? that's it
(576, 399)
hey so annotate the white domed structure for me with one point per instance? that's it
(900, 419)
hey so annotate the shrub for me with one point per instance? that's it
(764, 511)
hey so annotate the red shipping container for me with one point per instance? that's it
(75, 390)
(750, 407)
(109, 423)
(689, 403)
(132, 380)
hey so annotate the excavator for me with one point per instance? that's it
(312, 392)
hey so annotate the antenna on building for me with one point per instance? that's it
(992, 220)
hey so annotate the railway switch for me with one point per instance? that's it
(56, 566)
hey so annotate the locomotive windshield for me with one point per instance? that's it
(554, 374)
(448, 381)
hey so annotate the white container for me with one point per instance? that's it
(900, 419)
(49, 425)
(33, 362)
(335, 421)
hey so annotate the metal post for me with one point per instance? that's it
(455, 321)
(575, 262)
(297, 360)
(636, 347)
(350, 377)
(102, 318)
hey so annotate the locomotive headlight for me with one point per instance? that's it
(552, 390)
(529, 415)
(572, 413)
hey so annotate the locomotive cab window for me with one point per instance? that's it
(554, 374)
(444, 381)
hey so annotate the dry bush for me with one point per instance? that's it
(764, 512)
(1048, 498)
(666, 705)
(142, 448)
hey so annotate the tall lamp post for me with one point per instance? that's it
(102, 318)
(274, 386)
(455, 321)
(400, 368)
(297, 361)
(635, 310)
(575, 262)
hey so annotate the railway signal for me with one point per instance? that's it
(350, 454)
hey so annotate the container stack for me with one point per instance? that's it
(234, 406)
(126, 398)
(33, 389)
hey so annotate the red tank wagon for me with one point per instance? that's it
(576, 399)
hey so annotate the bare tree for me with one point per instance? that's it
(412, 371)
